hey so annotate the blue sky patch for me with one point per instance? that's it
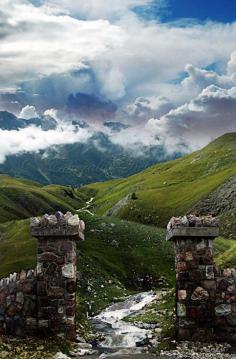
(200, 10)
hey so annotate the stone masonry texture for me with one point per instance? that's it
(43, 301)
(205, 295)
(18, 304)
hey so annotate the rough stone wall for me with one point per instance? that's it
(56, 285)
(205, 295)
(195, 287)
(43, 301)
(18, 304)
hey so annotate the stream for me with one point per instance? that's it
(120, 336)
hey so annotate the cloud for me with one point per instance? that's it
(32, 139)
(90, 106)
(96, 9)
(194, 124)
(198, 79)
(144, 108)
(28, 112)
(129, 58)
(45, 42)
(51, 112)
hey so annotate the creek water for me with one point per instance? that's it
(120, 336)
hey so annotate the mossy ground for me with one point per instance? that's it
(32, 348)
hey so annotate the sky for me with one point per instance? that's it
(166, 68)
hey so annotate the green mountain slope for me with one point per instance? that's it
(81, 163)
(171, 188)
(22, 199)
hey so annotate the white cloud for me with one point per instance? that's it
(198, 79)
(33, 139)
(28, 112)
(194, 124)
(42, 43)
(96, 9)
(144, 108)
(52, 112)
(129, 57)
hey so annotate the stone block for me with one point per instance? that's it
(181, 266)
(195, 276)
(43, 324)
(201, 245)
(182, 294)
(71, 286)
(189, 256)
(68, 271)
(210, 272)
(208, 284)
(223, 310)
(200, 294)
(181, 310)
(56, 292)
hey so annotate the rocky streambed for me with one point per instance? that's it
(114, 335)
(122, 332)
(118, 334)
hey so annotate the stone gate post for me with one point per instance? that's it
(56, 272)
(195, 275)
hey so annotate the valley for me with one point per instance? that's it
(125, 253)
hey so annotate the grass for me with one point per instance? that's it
(171, 188)
(21, 199)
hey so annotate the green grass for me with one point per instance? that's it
(171, 188)
(21, 199)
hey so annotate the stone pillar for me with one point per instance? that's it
(56, 272)
(195, 275)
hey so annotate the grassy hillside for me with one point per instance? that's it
(168, 189)
(22, 199)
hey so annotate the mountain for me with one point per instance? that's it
(76, 164)
(193, 182)
(10, 122)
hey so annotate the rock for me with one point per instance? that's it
(74, 220)
(223, 310)
(52, 220)
(84, 346)
(200, 294)
(79, 339)
(68, 271)
(20, 298)
(68, 215)
(142, 343)
(82, 226)
(59, 215)
(83, 352)
(61, 356)
(34, 222)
